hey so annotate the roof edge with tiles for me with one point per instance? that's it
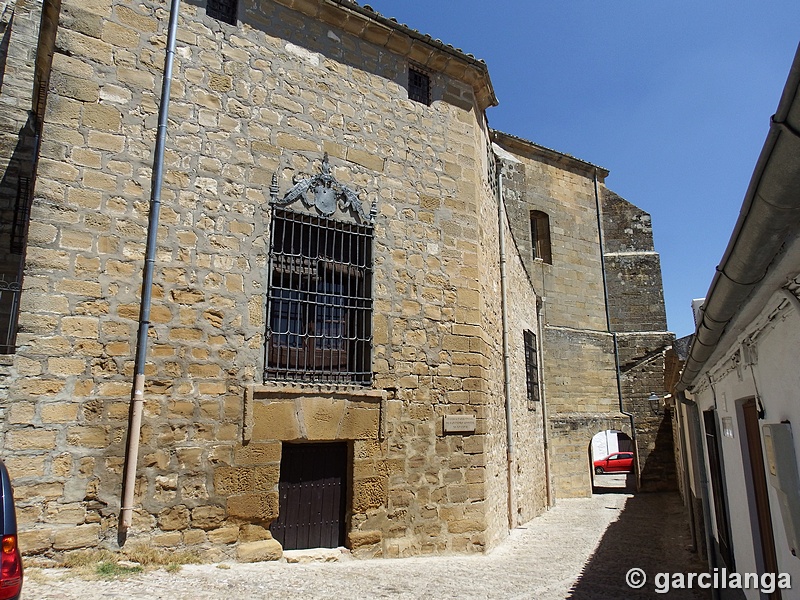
(528, 147)
(420, 48)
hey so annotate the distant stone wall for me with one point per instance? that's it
(581, 395)
(638, 315)
(633, 268)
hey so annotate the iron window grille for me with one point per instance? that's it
(22, 213)
(419, 86)
(222, 10)
(531, 368)
(319, 304)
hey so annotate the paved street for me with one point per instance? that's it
(581, 549)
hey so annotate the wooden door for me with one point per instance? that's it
(760, 490)
(312, 496)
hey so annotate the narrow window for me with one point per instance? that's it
(540, 236)
(319, 305)
(531, 368)
(419, 86)
(222, 10)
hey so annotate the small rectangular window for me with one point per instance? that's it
(540, 236)
(222, 10)
(531, 368)
(419, 86)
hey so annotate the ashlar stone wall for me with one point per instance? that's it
(269, 95)
(577, 349)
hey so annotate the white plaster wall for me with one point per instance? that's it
(776, 376)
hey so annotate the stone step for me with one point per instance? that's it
(317, 555)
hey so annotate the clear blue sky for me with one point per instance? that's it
(672, 97)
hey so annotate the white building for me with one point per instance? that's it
(738, 406)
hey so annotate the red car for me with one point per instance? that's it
(619, 462)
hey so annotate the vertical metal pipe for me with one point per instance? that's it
(637, 468)
(137, 395)
(543, 400)
(506, 358)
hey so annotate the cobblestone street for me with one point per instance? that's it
(581, 549)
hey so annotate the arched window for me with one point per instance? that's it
(540, 236)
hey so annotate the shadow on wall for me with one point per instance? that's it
(15, 202)
(652, 534)
(658, 472)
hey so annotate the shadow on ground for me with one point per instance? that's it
(614, 483)
(652, 534)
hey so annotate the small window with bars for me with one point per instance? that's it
(419, 86)
(319, 304)
(531, 368)
(222, 10)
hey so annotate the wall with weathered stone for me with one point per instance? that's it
(578, 352)
(270, 95)
(636, 295)
(638, 315)
(529, 464)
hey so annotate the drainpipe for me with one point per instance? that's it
(637, 468)
(137, 395)
(543, 393)
(506, 358)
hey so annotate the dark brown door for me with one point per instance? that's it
(760, 490)
(312, 495)
(718, 487)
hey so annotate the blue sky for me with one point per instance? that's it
(673, 98)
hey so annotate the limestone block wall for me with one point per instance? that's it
(636, 295)
(562, 187)
(529, 471)
(579, 369)
(637, 313)
(642, 373)
(269, 95)
(571, 443)
(580, 379)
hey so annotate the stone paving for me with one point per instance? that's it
(580, 549)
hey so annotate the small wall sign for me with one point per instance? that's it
(459, 423)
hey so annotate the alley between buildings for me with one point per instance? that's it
(579, 550)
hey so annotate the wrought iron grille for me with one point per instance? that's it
(9, 309)
(419, 86)
(222, 10)
(531, 367)
(319, 304)
(22, 210)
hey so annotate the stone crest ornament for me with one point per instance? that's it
(325, 194)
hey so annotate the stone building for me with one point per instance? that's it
(347, 295)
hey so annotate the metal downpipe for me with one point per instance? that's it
(137, 394)
(506, 358)
(637, 468)
(545, 418)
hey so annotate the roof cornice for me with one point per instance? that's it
(400, 39)
(529, 148)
